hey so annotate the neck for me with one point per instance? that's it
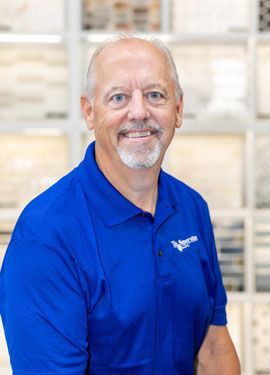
(139, 186)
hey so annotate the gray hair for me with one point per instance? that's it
(129, 37)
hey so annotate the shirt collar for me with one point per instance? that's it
(110, 204)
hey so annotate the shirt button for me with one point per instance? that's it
(160, 253)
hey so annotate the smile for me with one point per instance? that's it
(138, 134)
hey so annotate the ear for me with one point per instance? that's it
(179, 112)
(87, 111)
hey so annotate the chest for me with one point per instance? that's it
(140, 260)
(154, 296)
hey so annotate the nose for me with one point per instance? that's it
(138, 107)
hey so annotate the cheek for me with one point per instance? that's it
(117, 117)
(106, 126)
(101, 118)
(166, 118)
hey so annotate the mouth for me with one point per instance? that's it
(138, 134)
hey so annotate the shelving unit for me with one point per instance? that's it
(222, 51)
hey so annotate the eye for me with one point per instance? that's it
(154, 95)
(118, 98)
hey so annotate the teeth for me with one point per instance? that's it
(138, 134)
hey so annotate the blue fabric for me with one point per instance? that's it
(91, 284)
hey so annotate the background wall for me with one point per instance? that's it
(222, 52)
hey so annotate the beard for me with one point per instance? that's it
(144, 155)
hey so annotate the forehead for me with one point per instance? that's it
(128, 59)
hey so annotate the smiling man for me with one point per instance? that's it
(114, 270)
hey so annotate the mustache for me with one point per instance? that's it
(140, 125)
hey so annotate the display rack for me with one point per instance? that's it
(224, 68)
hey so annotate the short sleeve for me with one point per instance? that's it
(43, 310)
(220, 298)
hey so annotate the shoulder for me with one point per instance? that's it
(50, 212)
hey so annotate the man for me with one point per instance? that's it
(113, 270)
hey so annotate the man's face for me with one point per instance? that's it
(134, 111)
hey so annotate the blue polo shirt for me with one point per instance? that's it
(92, 284)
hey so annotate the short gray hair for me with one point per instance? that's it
(154, 41)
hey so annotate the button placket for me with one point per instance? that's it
(162, 258)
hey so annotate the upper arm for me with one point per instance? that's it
(218, 352)
(217, 339)
(43, 310)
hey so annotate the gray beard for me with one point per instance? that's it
(142, 158)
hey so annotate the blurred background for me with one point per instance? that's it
(222, 52)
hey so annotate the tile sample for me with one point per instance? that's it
(261, 338)
(229, 234)
(33, 82)
(209, 16)
(211, 164)
(126, 15)
(263, 80)
(29, 165)
(235, 327)
(214, 79)
(6, 227)
(262, 253)
(264, 15)
(262, 171)
(32, 16)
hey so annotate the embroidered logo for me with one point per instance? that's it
(183, 244)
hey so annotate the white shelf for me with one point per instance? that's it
(52, 126)
(32, 38)
(179, 38)
(9, 214)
